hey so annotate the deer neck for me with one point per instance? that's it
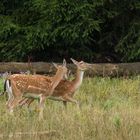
(56, 79)
(79, 78)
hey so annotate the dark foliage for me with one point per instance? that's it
(49, 30)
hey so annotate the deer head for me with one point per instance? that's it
(83, 66)
(61, 68)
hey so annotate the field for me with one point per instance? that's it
(109, 110)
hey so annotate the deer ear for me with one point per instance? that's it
(55, 65)
(64, 62)
(74, 61)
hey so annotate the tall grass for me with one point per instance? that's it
(110, 110)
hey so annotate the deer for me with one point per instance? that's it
(65, 90)
(33, 86)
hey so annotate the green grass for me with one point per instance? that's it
(110, 110)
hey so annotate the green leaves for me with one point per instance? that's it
(82, 28)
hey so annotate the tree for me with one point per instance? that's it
(90, 30)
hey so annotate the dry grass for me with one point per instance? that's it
(110, 110)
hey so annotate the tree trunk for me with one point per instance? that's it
(104, 69)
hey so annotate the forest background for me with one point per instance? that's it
(50, 30)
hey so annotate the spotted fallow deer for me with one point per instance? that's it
(66, 89)
(34, 86)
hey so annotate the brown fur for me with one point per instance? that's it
(34, 85)
(66, 89)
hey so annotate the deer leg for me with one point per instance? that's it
(14, 103)
(27, 101)
(65, 104)
(23, 101)
(41, 107)
(9, 102)
(16, 95)
(70, 99)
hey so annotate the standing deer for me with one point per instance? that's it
(33, 86)
(66, 89)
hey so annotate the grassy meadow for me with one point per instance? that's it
(109, 110)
